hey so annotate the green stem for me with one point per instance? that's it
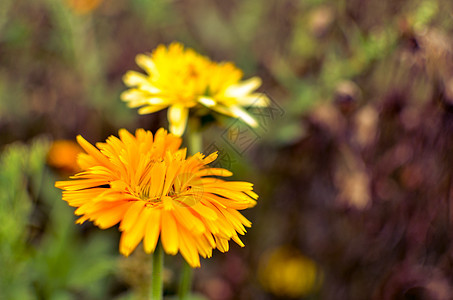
(185, 283)
(157, 278)
(194, 136)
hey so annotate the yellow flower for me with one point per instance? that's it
(149, 186)
(286, 272)
(181, 79)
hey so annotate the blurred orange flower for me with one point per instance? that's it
(83, 6)
(63, 156)
(147, 184)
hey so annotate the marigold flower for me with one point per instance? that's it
(181, 79)
(63, 155)
(149, 186)
(82, 7)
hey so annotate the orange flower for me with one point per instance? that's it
(149, 186)
(63, 156)
(83, 6)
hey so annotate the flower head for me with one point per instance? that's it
(63, 155)
(148, 185)
(83, 7)
(181, 79)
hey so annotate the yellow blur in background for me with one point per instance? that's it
(286, 272)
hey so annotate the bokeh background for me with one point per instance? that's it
(353, 161)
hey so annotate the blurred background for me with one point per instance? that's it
(352, 162)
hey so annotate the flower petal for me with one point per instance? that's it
(146, 63)
(255, 100)
(130, 239)
(244, 116)
(132, 78)
(95, 153)
(130, 218)
(244, 88)
(153, 229)
(207, 101)
(169, 235)
(150, 109)
(177, 116)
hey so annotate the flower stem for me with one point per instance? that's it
(194, 136)
(185, 283)
(157, 278)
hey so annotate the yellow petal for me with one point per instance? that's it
(131, 215)
(255, 100)
(169, 233)
(133, 95)
(222, 244)
(177, 117)
(157, 179)
(85, 161)
(172, 170)
(149, 88)
(130, 239)
(224, 110)
(205, 244)
(210, 158)
(153, 229)
(244, 88)
(238, 240)
(111, 217)
(132, 78)
(81, 184)
(188, 220)
(150, 109)
(240, 217)
(243, 115)
(214, 172)
(207, 101)
(146, 63)
(188, 249)
(95, 153)
(148, 101)
(204, 211)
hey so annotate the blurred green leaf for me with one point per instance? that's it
(61, 263)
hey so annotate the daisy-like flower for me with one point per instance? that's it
(181, 79)
(148, 185)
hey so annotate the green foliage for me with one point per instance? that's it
(45, 258)
(15, 208)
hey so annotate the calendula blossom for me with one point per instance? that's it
(83, 7)
(63, 155)
(181, 79)
(148, 185)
